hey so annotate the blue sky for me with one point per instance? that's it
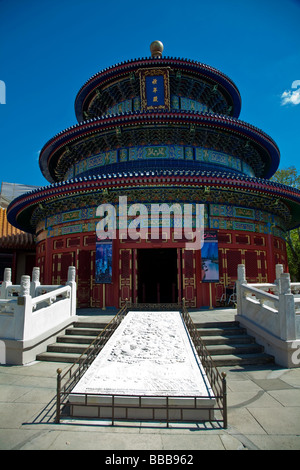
(49, 49)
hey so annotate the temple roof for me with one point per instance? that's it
(55, 157)
(181, 70)
(20, 210)
(22, 240)
(12, 237)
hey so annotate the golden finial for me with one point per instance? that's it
(156, 48)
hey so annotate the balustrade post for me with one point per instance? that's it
(241, 279)
(6, 282)
(287, 317)
(25, 286)
(72, 283)
(279, 271)
(24, 317)
(35, 281)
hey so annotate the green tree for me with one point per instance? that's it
(291, 177)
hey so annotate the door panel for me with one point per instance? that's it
(189, 277)
(125, 275)
(84, 277)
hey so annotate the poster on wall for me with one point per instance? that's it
(103, 265)
(210, 257)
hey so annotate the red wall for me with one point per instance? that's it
(259, 252)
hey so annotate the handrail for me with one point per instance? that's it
(258, 292)
(51, 295)
(216, 380)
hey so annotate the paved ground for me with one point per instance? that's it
(263, 412)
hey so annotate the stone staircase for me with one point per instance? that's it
(227, 343)
(230, 345)
(73, 343)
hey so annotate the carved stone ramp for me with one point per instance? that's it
(148, 369)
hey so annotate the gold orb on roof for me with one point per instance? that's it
(156, 48)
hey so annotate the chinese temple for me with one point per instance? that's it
(158, 130)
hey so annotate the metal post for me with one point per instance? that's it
(113, 410)
(167, 411)
(103, 297)
(224, 387)
(210, 297)
(58, 391)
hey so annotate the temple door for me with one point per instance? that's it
(179, 275)
(60, 266)
(189, 277)
(233, 259)
(262, 267)
(84, 278)
(96, 289)
(56, 266)
(252, 264)
(135, 276)
(125, 265)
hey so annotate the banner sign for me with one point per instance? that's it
(155, 93)
(210, 257)
(103, 265)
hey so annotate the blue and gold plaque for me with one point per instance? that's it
(154, 89)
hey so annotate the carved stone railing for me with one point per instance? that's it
(28, 319)
(272, 313)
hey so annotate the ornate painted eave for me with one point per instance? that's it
(53, 151)
(21, 209)
(123, 69)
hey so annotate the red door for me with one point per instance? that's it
(60, 266)
(84, 278)
(189, 277)
(125, 285)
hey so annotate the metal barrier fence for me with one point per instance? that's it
(216, 380)
(165, 410)
(67, 381)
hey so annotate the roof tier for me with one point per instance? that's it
(190, 79)
(12, 237)
(206, 130)
(201, 186)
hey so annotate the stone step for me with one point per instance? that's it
(77, 339)
(58, 357)
(229, 344)
(67, 348)
(91, 324)
(242, 359)
(213, 324)
(228, 339)
(229, 349)
(70, 346)
(83, 331)
(221, 331)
